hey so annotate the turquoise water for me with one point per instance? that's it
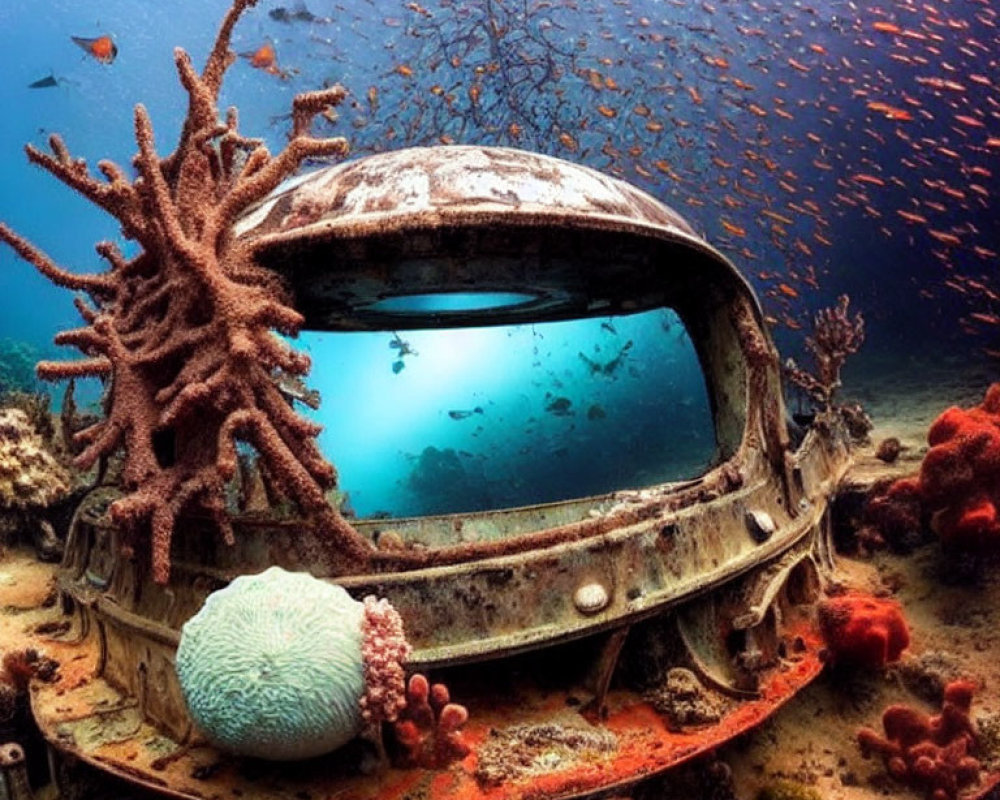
(505, 416)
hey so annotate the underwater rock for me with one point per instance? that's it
(857, 422)
(888, 450)
(932, 753)
(684, 701)
(30, 477)
(863, 631)
(284, 666)
(31, 481)
(37, 406)
(17, 366)
(441, 481)
(892, 516)
(927, 675)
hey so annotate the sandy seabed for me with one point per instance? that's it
(954, 624)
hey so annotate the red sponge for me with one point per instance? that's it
(863, 630)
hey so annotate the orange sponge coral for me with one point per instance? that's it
(863, 630)
(958, 488)
(929, 752)
(960, 475)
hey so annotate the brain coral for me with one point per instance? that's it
(272, 666)
(29, 476)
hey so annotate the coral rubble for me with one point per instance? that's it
(932, 753)
(185, 329)
(684, 700)
(519, 751)
(863, 631)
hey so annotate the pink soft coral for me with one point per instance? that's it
(384, 649)
(429, 729)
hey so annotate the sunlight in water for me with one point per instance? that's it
(430, 421)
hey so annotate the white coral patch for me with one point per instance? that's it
(271, 666)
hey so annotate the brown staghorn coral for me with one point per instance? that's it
(835, 336)
(185, 329)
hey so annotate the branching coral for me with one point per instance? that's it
(185, 329)
(429, 729)
(835, 336)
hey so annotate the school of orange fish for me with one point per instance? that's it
(778, 128)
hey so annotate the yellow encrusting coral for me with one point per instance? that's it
(30, 477)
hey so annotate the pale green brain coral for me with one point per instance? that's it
(271, 666)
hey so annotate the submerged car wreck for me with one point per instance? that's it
(627, 632)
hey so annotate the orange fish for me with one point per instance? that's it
(735, 230)
(862, 177)
(263, 57)
(567, 141)
(102, 48)
(887, 27)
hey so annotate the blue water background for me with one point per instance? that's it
(721, 109)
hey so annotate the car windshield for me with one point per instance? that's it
(459, 420)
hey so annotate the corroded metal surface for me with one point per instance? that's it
(395, 189)
(479, 609)
(89, 718)
(649, 557)
(473, 219)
